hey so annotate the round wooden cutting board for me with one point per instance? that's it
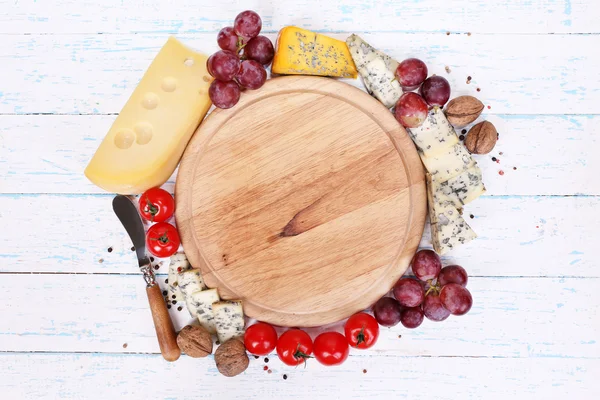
(306, 200)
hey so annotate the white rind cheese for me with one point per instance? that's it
(199, 304)
(435, 135)
(448, 228)
(179, 263)
(464, 188)
(448, 164)
(377, 70)
(229, 319)
(190, 282)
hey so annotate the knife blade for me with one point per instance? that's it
(128, 214)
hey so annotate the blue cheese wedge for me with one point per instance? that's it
(464, 188)
(449, 163)
(435, 136)
(229, 319)
(179, 263)
(363, 53)
(190, 282)
(449, 230)
(376, 69)
(200, 305)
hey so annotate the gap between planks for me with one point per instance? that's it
(351, 355)
(164, 275)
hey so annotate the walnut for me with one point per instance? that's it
(231, 358)
(195, 341)
(482, 138)
(463, 110)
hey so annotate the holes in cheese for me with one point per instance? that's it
(124, 138)
(169, 84)
(143, 132)
(146, 141)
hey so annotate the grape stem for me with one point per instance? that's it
(240, 44)
(433, 287)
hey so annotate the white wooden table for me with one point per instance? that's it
(74, 321)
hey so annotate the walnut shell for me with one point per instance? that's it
(482, 138)
(463, 110)
(195, 341)
(231, 358)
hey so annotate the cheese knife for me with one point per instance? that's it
(165, 332)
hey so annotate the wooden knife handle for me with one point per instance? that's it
(165, 332)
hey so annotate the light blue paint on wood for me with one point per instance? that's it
(567, 7)
(530, 242)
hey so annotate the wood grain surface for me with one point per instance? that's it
(165, 332)
(306, 201)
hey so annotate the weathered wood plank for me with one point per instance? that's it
(554, 155)
(518, 236)
(86, 376)
(517, 74)
(511, 317)
(503, 16)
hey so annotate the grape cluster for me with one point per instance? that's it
(241, 62)
(435, 293)
(411, 108)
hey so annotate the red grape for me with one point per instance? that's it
(456, 299)
(387, 311)
(436, 91)
(208, 65)
(247, 24)
(426, 265)
(260, 49)
(252, 75)
(453, 274)
(227, 39)
(411, 317)
(411, 110)
(223, 65)
(224, 94)
(409, 292)
(434, 309)
(410, 73)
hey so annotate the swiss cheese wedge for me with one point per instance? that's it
(145, 143)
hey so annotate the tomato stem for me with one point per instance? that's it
(300, 354)
(164, 238)
(152, 209)
(360, 338)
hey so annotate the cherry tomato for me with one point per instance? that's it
(162, 239)
(362, 330)
(260, 339)
(294, 347)
(156, 205)
(331, 348)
